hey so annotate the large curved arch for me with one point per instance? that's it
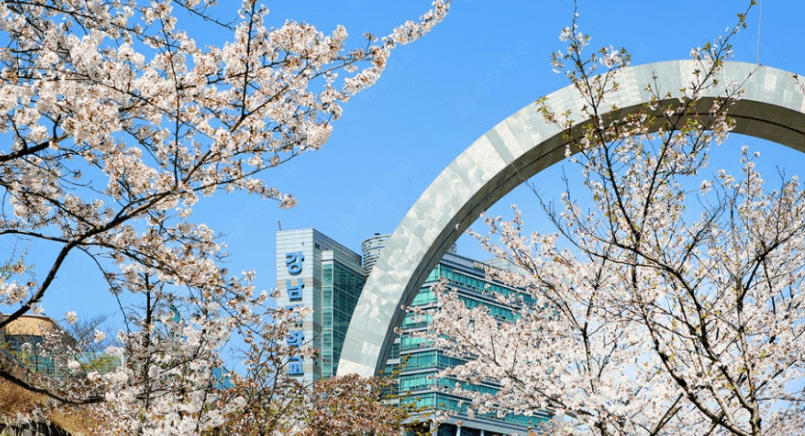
(772, 108)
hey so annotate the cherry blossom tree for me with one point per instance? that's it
(115, 124)
(670, 298)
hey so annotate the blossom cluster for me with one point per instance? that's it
(116, 122)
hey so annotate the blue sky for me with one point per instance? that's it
(483, 63)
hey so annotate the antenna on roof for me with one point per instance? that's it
(759, 17)
(279, 224)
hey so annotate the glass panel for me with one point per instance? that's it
(408, 343)
(424, 297)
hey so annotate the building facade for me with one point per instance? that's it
(30, 338)
(414, 363)
(315, 271)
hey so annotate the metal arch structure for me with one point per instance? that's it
(522, 145)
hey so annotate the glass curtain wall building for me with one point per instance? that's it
(415, 363)
(315, 271)
(341, 288)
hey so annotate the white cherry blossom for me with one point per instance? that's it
(116, 122)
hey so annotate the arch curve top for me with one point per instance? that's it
(522, 145)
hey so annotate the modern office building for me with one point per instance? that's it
(415, 363)
(371, 249)
(315, 271)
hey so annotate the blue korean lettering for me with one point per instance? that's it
(294, 262)
(297, 319)
(295, 366)
(295, 338)
(295, 292)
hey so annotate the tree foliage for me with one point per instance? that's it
(345, 406)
